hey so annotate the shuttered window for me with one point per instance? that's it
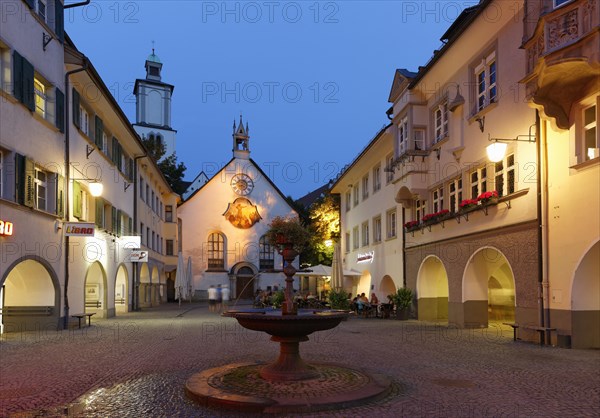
(23, 81)
(76, 107)
(98, 132)
(60, 110)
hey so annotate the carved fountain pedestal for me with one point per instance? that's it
(289, 384)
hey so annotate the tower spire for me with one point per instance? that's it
(241, 140)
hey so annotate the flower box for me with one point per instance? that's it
(468, 205)
(488, 198)
(411, 226)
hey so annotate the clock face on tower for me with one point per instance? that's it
(242, 184)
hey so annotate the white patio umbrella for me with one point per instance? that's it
(337, 269)
(180, 285)
(319, 270)
(188, 278)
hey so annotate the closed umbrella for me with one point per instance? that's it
(337, 269)
(188, 278)
(180, 285)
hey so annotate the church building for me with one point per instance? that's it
(226, 220)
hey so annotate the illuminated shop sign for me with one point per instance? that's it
(138, 256)
(365, 257)
(79, 229)
(6, 228)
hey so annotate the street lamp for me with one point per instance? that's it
(495, 152)
(96, 188)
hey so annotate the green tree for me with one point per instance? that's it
(169, 167)
(323, 220)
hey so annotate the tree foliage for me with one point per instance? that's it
(323, 220)
(169, 167)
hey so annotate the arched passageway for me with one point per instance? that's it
(585, 301)
(432, 290)
(95, 290)
(488, 288)
(29, 298)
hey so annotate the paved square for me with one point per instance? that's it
(137, 365)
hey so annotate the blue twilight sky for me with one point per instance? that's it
(311, 78)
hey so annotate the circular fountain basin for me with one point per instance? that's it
(274, 323)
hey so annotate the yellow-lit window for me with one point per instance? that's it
(40, 97)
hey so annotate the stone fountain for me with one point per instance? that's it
(289, 384)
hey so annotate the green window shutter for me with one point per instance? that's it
(76, 113)
(29, 183)
(119, 156)
(30, 3)
(18, 76)
(20, 179)
(28, 93)
(77, 203)
(99, 130)
(59, 20)
(99, 212)
(60, 110)
(113, 154)
(114, 222)
(118, 228)
(60, 195)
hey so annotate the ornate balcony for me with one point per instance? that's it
(563, 58)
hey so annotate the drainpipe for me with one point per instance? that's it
(403, 245)
(544, 224)
(135, 294)
(68, 180)
(542, 283)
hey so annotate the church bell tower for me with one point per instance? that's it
(241, 140)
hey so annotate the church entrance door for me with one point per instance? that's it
(245, 283)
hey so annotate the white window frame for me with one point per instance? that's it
(347, 242)
(588, 131)
(376, 178)
(41, 98)
(348, 201)
(478, 182)
(355, 243)
(84, 121)
(504, 176)
(437, 199)
(355, 193)
(391, 221)
(365, 233)
(420, 209)
(455, 194)
(377, 229)
(403, 135)
(440, 120)
(365, 187)
(41, 8)
(41, 194)
(389, 174)
(486, 82)
(560, 3)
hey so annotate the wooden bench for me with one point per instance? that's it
(80, 316)
(542, 331)
(27, 310)
(93, 304)
(514, 327)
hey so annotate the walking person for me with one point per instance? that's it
(212, 299)
(225, 297)
(219, 296)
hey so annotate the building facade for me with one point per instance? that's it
(32, 176)
(489, 241)
(371, 235)
(225, 223)
(69, 161)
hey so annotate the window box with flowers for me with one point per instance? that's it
(444, 215)
(411, 226)
(468, 205)
(429, 219)
(488, 198)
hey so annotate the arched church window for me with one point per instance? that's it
(216, 251)
(266, 254)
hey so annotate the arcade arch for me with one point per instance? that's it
(585, 301)
(432, 290)
(121, 290)
(95, 290)
(32, 285)
(488, 288)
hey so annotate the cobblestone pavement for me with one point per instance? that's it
(137, 364)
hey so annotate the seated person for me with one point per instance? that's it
(363, 303)
(374, 300)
